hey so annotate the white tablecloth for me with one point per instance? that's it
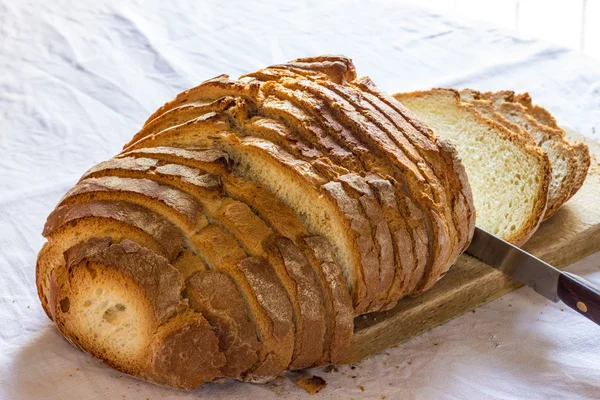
(78, 78)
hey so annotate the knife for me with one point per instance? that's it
(553, 284)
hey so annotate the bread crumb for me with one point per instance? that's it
(435, 344)
(397, 366)
(409, 362)
(353, 377)
(312, 385)
(353, 367)
(362, 388)
(331, 368)
(562, 309)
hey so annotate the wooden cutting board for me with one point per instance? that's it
(571, 234)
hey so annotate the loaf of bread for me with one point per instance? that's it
(248, 222)
(244, 227)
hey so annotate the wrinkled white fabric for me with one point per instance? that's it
(78, 78)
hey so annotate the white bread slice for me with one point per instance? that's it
(510, 194)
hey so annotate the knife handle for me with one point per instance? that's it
(580, 295)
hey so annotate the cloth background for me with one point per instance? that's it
(78, 78)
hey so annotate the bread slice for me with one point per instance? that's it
(339, 313)
(69, 225)
(560, 153)
(216, 297)
(510, 194)
(208, 91)
(266, 300)
(181, 208)
(111, 298)
(582, 153)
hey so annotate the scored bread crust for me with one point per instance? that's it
(286, 202)
(214, 295)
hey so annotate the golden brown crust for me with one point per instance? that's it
(309, 311)
(167, 235)
(215, 295)
(185, 353)
(338, 303)
(164, 199)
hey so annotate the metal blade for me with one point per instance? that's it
(518, 264)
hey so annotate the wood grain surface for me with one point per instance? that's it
(571, 234)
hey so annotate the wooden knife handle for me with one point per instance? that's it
(580, 295)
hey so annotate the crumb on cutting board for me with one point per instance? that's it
(312, 385)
